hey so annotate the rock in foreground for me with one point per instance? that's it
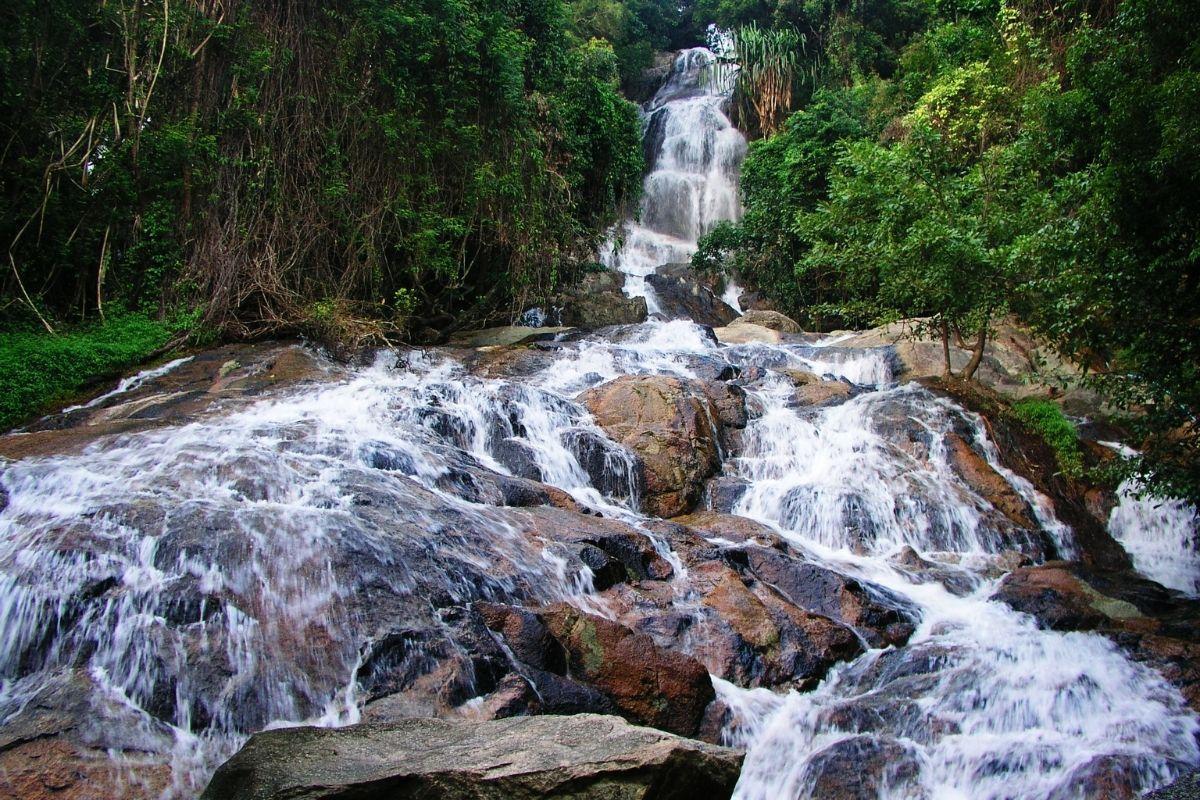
(584, 756)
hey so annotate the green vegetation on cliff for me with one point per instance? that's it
(958, 161)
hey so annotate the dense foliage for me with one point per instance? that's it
(37, 370)
(1023, 157)
(351, 167)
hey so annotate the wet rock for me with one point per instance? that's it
(598, 301)
(723, 492)
(508, 362)
(771, 320)
(776, 643)
(1186, 788)
(649, 684)
(586, 756)
(880, 616)
(516, 457)
(730, 401)
(812, 390)
(672, 425)
(682, 296)
(630, 548)
(746, 333)
(864, 768)
(613, 470)
(987, 483)
(505, 336)
(1059, 600)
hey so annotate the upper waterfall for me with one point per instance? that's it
(693, 160)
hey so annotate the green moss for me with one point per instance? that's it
(1046, 419)
(38, 369)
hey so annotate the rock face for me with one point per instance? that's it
(772, 320)
(649, 684)
(598, 301)
(812, 390)
(681, 295)
(674, 426)
(585, 756)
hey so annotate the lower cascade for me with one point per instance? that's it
(320, 555)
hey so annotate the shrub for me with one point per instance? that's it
(1047, 420)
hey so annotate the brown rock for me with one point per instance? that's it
(650, 685)
(812, 390)
(768, 319)
(672, 425)
(987, 483)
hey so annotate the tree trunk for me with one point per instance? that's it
(976, 353)
(947, 372)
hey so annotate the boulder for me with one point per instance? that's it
(864, 768)
(989, 484)
(584, 756)
(772, 320)
(599, 301)
(649, 684)
(505, 336)
(1186, 788)
(672, 425)
(747, 333)
(681, 295)
(813, 390)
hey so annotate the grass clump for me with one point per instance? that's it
(1047, 420)
(38, 369)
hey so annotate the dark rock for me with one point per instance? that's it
(682, 296)
(649, 684)
(880, 616)
(864, 768)
(1186, 788)
(585, 756)
(599, 301)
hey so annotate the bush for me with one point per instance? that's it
(1047, 420)
(40, 369)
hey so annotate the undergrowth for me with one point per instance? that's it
(38, 369)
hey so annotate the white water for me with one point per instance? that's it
(692, 183)
(1161, 536)
(132, 382)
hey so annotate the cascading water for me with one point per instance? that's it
(302, 557)
(693, 158)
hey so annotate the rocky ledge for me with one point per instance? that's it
(578, 757)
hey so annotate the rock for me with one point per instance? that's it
(776, 643)
(649, 684)
(598, 301)
(1186, 788)
(672, 425)
(768, 319)
(864, 768)
(723, 492)
(682, 296)
(747, 333)
(1060, 600)
(812, 390)
(505, 336)
(880, 616)
(584, 756)
(987, 483)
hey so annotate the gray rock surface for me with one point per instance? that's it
(584, 756)
(1186, 788)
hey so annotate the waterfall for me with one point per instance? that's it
(294, 557)
(693, 159)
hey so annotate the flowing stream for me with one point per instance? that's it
(283, 560)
